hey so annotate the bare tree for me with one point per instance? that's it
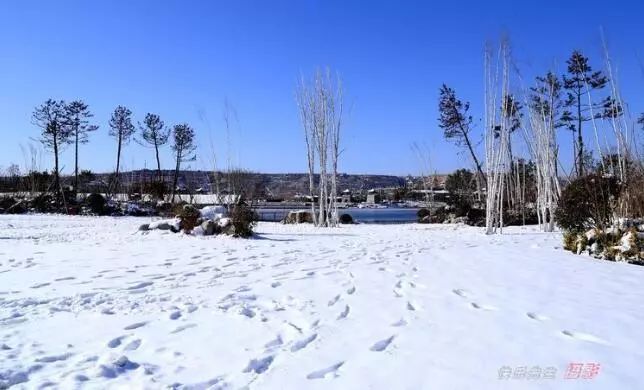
(33, 161)
(51, 118)
(321, 111)
(123, 129)
(78, 116)
(184, 147)
(154, 134)
(497, 135)
(306, 104)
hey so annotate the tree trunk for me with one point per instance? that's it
(76, 164)
(580, 140)
(176, 176)
(476, 160)
(118, 163)
(156, 147)
(56, 176)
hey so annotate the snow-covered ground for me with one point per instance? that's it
(92, 303)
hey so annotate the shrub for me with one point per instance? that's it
(243, 220)
(422, 214)
(461, 186)
(346, 219)
(157, 189)
(570, 241)
(96, 203)
(6, 204)
(587, 202)
(189, 217)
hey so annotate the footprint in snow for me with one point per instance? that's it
(54, 358)
(259, 366)
(183, 327)
(344, 313)
(140, 286)
(133, 345)
(135, 325)
(64, 278)
(323, 373)
(40, 285)
(175, 315)
(334, 300)
(274, 343)
(401, 322)
(115, 342)
(382, 344)
(351, 290)
(301, 344)
(483, 307)
(536, 317)
(461, 293)
(411, 306)
(584, 337)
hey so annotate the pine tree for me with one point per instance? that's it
(51, 118)
(122, 128)
(154, 134)
(579, 80)
(184, 147)
(456, 122)
(78, 116)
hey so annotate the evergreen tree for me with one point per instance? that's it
(51, 118)
(579, 80)
(184, 147)
(122, 128)
(78, 116)
(154, 134)
(456, 122)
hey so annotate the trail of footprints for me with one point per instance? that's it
(535, 317)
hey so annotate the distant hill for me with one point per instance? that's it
(271, 184)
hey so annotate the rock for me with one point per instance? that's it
(165, 224)
(298, 216)
(214, 212)
(346, 219)
(145, 227)
(208, 226)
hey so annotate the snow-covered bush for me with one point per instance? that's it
(189, 216)
(243, 220)
(613, 244)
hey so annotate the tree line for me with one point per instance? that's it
(63, 123)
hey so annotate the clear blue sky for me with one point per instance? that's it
(181, 59)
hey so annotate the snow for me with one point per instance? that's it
(88, 302)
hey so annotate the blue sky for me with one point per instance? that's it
(182, 59)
